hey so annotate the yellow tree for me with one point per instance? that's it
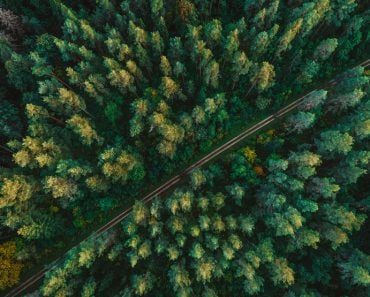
(15, 190)
(263, 77)
(118, 165)
(82, 126)
(10, 267)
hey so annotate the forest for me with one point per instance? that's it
(103, 101)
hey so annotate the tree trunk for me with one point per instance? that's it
(6, 149)
(60, 80)
(251, 88)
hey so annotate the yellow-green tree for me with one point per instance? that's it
(10, 267)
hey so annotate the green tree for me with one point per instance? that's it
(334, 142)
(300, 121)
(314, 99)
(356, 268)
(325, 49)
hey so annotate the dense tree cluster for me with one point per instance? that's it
(295, 230)
(99, 100)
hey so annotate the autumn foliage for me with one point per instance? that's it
(10, 267)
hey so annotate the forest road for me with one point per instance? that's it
(174, 180)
